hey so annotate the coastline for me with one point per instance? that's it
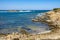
(52, 18)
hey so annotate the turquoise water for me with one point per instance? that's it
(9, 20)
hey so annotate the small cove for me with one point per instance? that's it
(13, 21)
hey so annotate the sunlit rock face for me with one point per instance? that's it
(51, 18)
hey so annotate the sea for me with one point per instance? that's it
(14, 21)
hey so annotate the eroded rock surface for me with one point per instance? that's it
(52, 18)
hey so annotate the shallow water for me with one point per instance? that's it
(12, 21)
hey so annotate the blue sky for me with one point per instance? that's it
(29, 4)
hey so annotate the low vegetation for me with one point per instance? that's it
(56, 9)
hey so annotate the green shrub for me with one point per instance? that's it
(56, 9)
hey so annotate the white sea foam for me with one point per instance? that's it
(39, 14)
(25, 11)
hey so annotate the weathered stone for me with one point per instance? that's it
(51, 17)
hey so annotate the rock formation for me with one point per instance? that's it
(52, 18)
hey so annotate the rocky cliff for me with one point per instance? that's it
(52, 18)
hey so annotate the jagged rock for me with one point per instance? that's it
(51, 18)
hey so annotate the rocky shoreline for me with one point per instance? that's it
(52, 18)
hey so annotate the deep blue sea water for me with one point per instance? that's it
(19, 19)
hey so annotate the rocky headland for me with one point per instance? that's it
(52, 18)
